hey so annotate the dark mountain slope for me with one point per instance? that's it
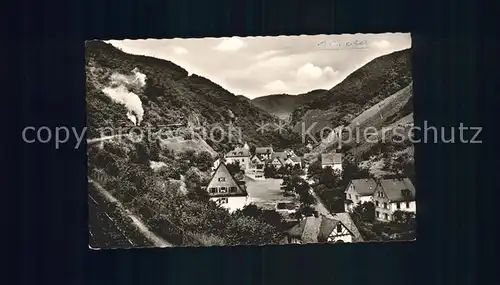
(169, 96)
(282, 105)
(363, 88)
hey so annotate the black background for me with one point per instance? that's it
(45, 189)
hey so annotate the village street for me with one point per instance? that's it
(265, 193)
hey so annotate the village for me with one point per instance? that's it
(285, 182)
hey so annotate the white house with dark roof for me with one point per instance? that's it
(333, 160)
(277, 159)
(319, 230)
(226, 190)
(359, 191)
(256, 160)
(393, 195)
(293, 160)
(240, 155)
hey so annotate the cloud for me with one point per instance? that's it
(382, 44)
(180, 50)
(230, 45)
(257, 66)
(311, 72)
(276, 85)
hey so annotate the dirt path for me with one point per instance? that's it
(157, 241)
(183, 184)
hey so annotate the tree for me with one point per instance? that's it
(252, 149)
(293, 183)
(328, 178)
(141, 154)
(235, 170)
(364, 212)
(270, 217)
(188, 155)
(192, 179)
(251, 231)
(306, 199)
(203, 160)
(297, 170)
(314, 171)
(270, 171)
(403, 217)
(155, 150)
(283, 170)
(198, 194)
(351, 171)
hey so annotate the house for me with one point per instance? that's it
(255, 160)
(333, 160)
(393, 195)
(246, 146)
(277, 159)
(359, 191)
(239, 155)
(294, 160)
(226, 190)
(289, 152)
(346, 220)
(319, 230)
(264, 152)
(277, 162)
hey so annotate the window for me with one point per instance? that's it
(222, 201)
(240, 153)
(376, 203)
(223, 190)
(398, 205)
(349, 196)
(386, 216)
(385, 205)
(339, 228)
(357, 197)
(242, 160)
(407, 205)
(213, 190)
(232, 189)
(377, 214)
(221, 179)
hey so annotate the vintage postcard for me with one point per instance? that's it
(250, 140)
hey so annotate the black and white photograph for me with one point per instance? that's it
(250, 141)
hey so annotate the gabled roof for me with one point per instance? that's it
(364, 187)
(331, 158)
(278, 159)
(263, 150)
(256, 157)
(238, 152)
(230, 182)
(395, 189)
(281, 155)
(313, 230)
(346, 220)
(295, 158)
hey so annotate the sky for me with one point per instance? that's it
(259, 66)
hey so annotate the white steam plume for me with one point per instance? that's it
(119, 92)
